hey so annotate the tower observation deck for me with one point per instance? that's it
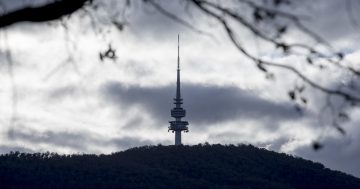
(178, 112)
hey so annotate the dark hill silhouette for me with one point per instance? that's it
(171, 167)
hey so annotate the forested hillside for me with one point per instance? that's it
(171, 167)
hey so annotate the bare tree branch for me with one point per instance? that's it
(261, 62)
(274, 11)
(48, 12)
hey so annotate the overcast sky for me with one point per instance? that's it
(60, 97)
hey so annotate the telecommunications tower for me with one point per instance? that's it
(178, 112)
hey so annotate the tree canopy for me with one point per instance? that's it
(199, 166)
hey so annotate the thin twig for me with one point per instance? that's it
(264, 62)
(178, 19)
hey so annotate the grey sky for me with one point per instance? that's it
(205, 104)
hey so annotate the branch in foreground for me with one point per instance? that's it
(260, 62)
(283, 45)
(47, 12)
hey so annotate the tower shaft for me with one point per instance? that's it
(177, 137)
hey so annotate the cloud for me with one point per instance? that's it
(81, 141)
(339, 25)
(8, 148)
(61, 92)
(205, 104)
(78, 141)
(147, 22)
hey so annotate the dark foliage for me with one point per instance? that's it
(200, 166)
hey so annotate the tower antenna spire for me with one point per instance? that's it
(178, 112)
(178, 92)
(178, 60)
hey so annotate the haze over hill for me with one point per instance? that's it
(199, 166)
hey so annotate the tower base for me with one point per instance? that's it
(177, 137)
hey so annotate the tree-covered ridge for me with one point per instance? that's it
(199, 166)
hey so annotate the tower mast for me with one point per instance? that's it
(178, 93)
(178, 112)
